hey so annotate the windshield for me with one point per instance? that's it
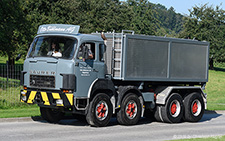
(53, 46)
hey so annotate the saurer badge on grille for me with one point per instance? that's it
(42, 72)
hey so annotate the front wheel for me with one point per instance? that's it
(194, 107)
(51, 115)
(130, 111)
(100, 110)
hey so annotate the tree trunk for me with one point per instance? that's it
(10, 67)
(211, 66)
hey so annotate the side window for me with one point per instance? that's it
(90, 51)
(101, 52)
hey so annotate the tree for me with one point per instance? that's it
(13, 28)
(206, 23)
(170, 22)
(143, 20)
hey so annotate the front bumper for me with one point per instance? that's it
(47, 98)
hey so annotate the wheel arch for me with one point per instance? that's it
(124, 90)
(101, 86)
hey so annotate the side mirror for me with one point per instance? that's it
(18, 57)
(85, 53)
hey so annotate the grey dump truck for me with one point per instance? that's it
(97, 75)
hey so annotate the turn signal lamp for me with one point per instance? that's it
(66, 91)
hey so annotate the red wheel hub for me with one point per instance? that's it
(195, 108)
(131, 109)
(173, 108)
(101, 110)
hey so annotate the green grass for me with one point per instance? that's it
(20, 112)
(215, 89)
(217, 138)
(10, 93)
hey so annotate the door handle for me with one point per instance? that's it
(81, 63)
(95, 70)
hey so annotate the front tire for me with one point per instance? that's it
(100, 110)
(130, 111)
(51, 115)
(194, 107)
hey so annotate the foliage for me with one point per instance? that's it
(143, 21)
(170, 21)
(206, 23)
(92, 15)
(13, 29)
(20, 20)
(3, 60)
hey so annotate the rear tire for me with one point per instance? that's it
(194, 107)
(172, 112)
(51, 115)
(100, 110)
(130, 111)
(157, 114)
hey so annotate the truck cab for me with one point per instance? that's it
(63, 80)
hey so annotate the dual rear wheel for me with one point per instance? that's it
(191, 109)
(194, 107)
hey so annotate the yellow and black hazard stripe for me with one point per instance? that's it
(47, 98)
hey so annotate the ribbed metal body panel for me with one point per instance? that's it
(150, 58)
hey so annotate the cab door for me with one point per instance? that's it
(88, 70)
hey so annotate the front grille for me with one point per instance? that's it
(42, 81)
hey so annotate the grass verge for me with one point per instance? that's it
(20, 112)
(215, 89)
(217, 138)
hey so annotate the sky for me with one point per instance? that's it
(182, 6)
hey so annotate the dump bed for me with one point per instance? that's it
(150, 58)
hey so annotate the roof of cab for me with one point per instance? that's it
(89, 37)
(65, 30)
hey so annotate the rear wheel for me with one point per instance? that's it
(194, 107)
(172, 112)
(100, 110)
(51, 115)
(130, 111)
(157, 114)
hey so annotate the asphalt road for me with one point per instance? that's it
(211, 125)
